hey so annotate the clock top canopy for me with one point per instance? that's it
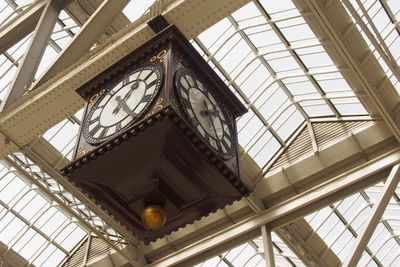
(135, 58)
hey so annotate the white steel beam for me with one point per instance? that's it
(348, 49)
(33, 55)
(300, 205)
(20, 26)
(86, 36)
(268, 246)
(314, 168)
(372, 221)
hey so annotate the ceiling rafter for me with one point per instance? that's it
(24, 76)
(20, 26)
(369, 82)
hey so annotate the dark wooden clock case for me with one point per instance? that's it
(160, 159)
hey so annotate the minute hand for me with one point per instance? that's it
(125, 107)
(209, 116)
(125, 98)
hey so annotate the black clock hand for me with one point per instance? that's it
(134, 85)
(125, 107)
(209, 116)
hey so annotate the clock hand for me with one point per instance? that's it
(214, 112)
(125, 107)
(133, 87)
(209, 116)
(136, 83)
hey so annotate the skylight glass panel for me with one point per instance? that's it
(288, 122)
(135, 9)
(271, 105)
(277, 7)
(6, 13)
(30, 224)
(23, 2)
(272, 76)
(339, 224)
(18, 50)
(248, 125)
(63, 136)
(264, 149)
(316, 108)
(48, 57)
(251, 254)
(62, 35)
(377, 22)
(349, 106)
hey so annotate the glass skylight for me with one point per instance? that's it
(135, 9)
(272, 60)
(63, 135)
(269, 57)
(378, 22)
(31, 224)
(251, 254)
(339, 224)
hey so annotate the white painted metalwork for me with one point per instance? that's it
(268, 247)
(354, 254)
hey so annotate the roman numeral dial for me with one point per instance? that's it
(122, 104)
(205, 113)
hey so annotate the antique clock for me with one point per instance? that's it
(122, 103)
(158, 144)
(204, 113)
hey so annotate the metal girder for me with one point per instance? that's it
(372, 221)
(20, 26)
(298, 206)
(309, 247)
(351, 53)
(268, 246)
(315, 168)
(33, 55)
(86, 37)
(34, 52)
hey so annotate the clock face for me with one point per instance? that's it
(205, 113)
(122, 103)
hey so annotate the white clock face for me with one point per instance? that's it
(122, 103)
(205, 113)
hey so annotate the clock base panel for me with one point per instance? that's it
(158, 161)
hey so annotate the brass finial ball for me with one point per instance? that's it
(153, 217)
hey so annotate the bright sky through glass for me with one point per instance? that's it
(31, 224)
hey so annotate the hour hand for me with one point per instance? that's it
(207, 112)
(204, 112)
(125, 107)
(115, 111)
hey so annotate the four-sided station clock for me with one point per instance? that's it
(158, 143)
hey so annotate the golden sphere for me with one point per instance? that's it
(153, 217)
